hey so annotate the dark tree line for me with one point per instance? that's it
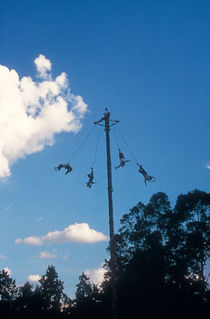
(161, 258)
(162, 254)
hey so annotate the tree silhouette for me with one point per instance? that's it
(8, 289)
(51, 290)
(161, 255)
(84, 290)
(90, 301)
(8, 293)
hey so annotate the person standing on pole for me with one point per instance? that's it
(106, 116)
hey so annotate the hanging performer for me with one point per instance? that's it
(91, 177)
(67, 167)
(122, 160)
(106, 115)
(147, 178)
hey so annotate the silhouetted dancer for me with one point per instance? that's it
(67, 167)
(122, 159)
(147, 178)
(106, 115)
(91, 177)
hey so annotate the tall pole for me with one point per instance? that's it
(106, 119)
(111, 221)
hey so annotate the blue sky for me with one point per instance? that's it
(147, 62)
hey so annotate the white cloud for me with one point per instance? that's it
(34, 278)
(96, 275)
(43, 66)
(32, 240)
(80, 233)
(7, 270)
(208, 166)
(46, 254)
(32, 112)
(2, 256)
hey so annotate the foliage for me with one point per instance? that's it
(8, 288)
(161, 255)
(51, 290)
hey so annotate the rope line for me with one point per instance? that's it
(128, 147)
(116, 137)
(97, 144)
(83, 142)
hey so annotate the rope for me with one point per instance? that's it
(97, 144)
(128, 146)
(77, 150)
(116, 137)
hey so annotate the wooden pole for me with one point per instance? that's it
(111, 221)
(106, 119)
